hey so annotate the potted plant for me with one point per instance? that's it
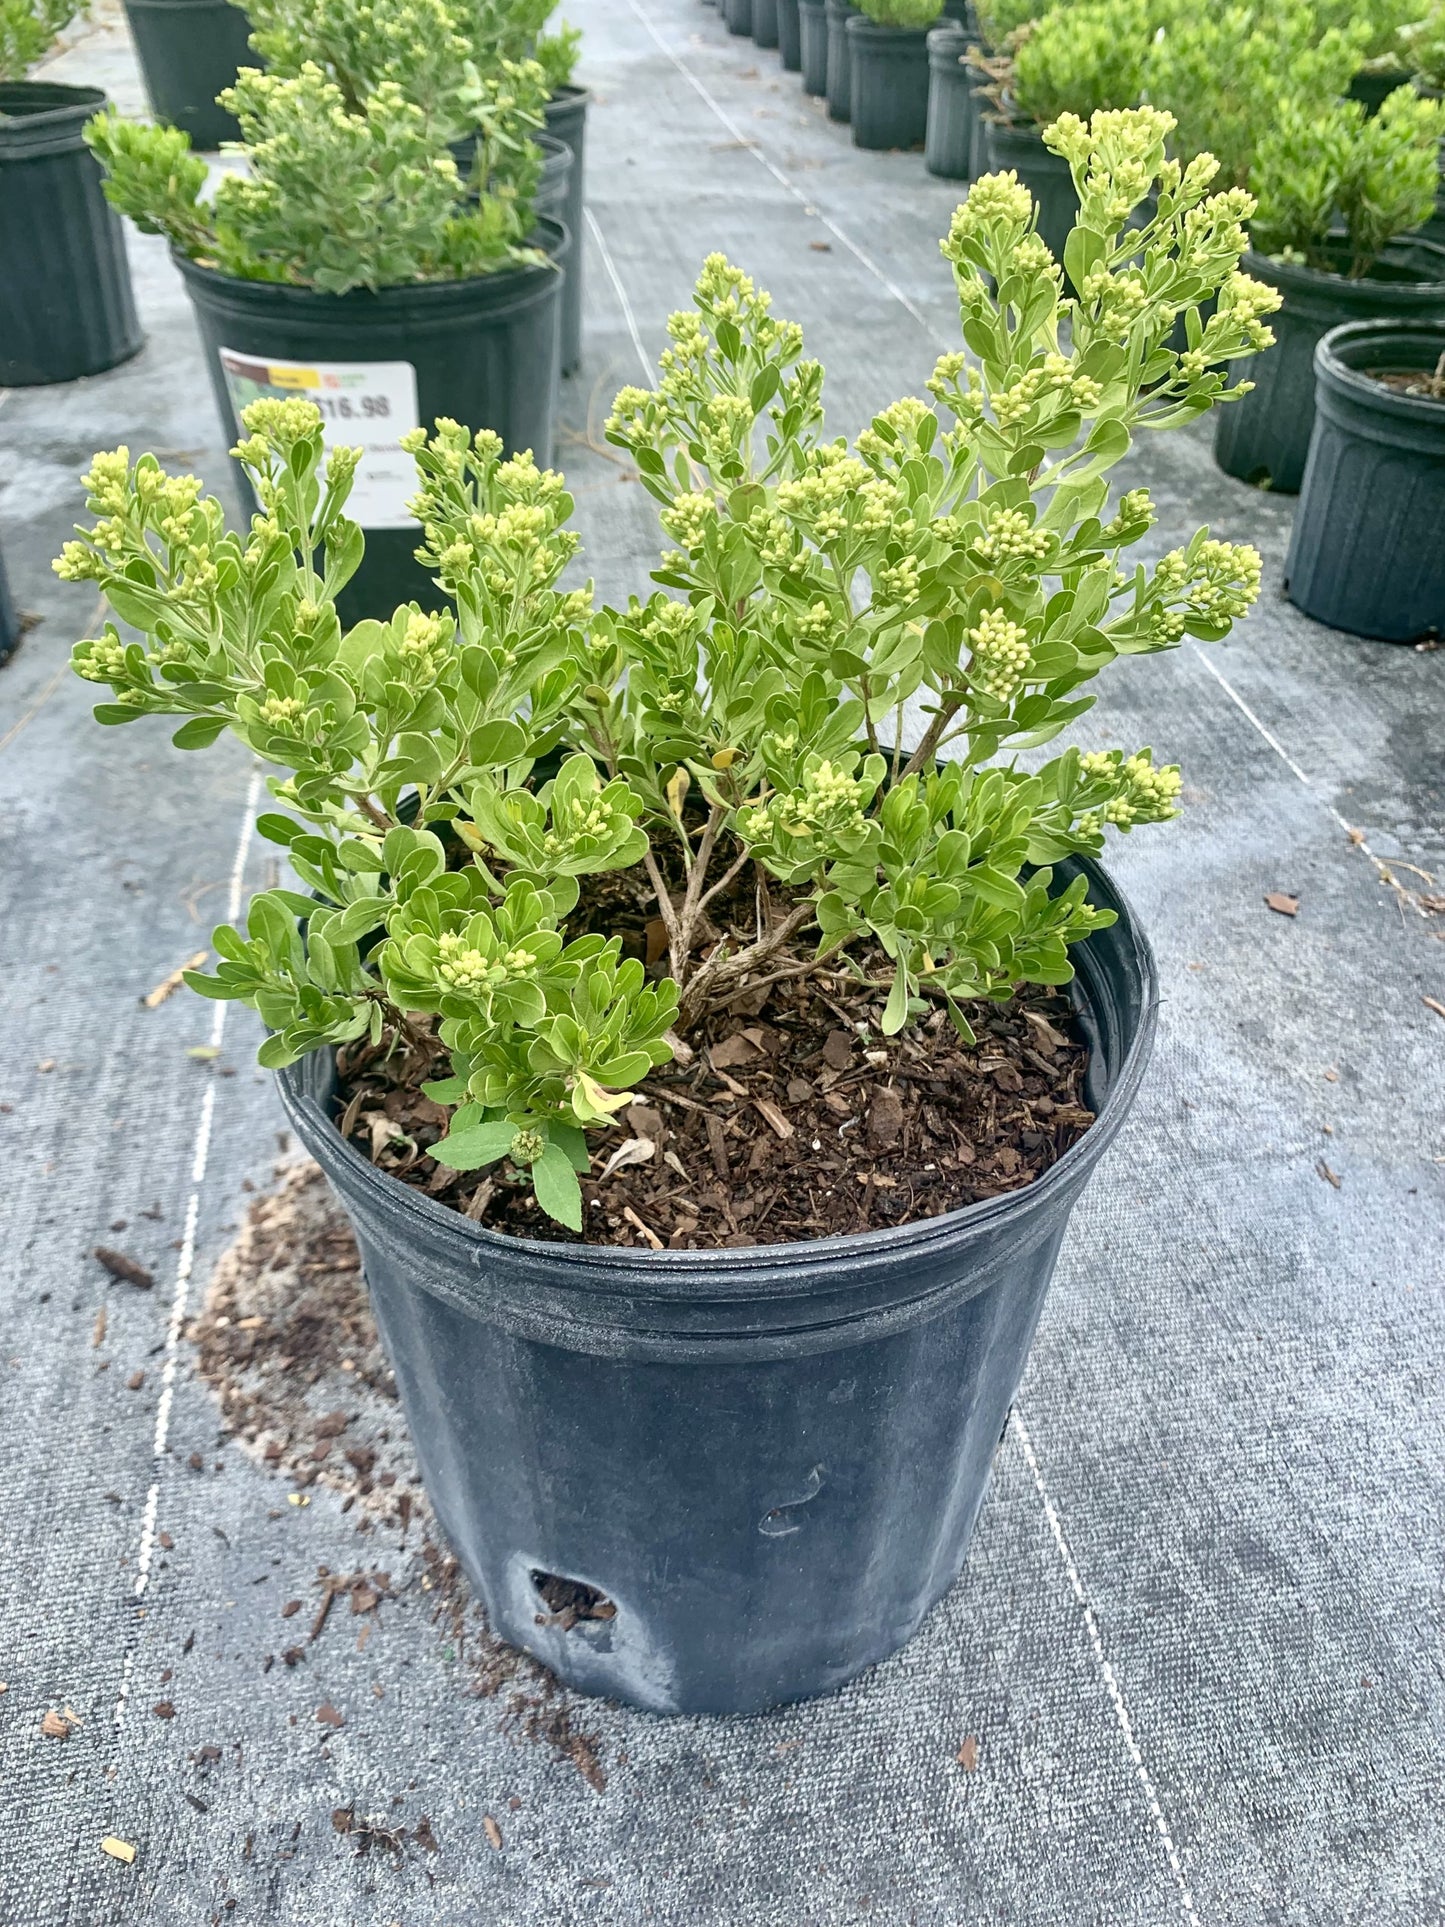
(66, 307)
(9, 619)
(1076, 59)
(888, 61)
(1319, 164)
(840, 71)
(190, 52)
(790, 45)
(352, 263)
(681, 998)
(738, 16)
(950, 129)
(445, 56)
(765, 23)
(1365, 552)
(813, 45)
(1423, 53)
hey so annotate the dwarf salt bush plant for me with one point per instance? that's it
(831, 622)
(27, 30)
(908, 14)
(333, 198)
(1074, 59)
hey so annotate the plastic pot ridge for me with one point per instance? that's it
(769, 1460)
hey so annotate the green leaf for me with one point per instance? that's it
(558, 1192)
(482, 1144)
(199, 733)
(496, 744)
(446, 1090)
(895, 1011)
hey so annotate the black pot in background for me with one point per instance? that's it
(889, 84)
(1265, 438)
(790, 47)
(765, 23)
(768, 1461)
(840, 67)
(483, 351)
(9, 619)
(1374, 89)
(738, 16)
(952, 106)
(813, 45)
(189, 51)
(66, 307)
(567, 121)
(1367, 552)
(1044, 174)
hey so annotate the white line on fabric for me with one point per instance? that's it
(1356, 836)
(804, 201)
(1106, 1671)
(180, 1295)
(648, 371)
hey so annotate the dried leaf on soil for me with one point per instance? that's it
(1286, 906)
(128, 1269)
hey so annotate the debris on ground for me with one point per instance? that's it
(1285, 906)
(167, 986)
(129, 1270)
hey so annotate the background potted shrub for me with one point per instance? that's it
(813, 45)
(585, 884)
(1423, 52)
(354, 264)
(765, 23)
(738, 16)
(949, 135)
(1076, 59)
(888, 58)
(840, 69)
(1320, 163)
(190, 52)
(66, 307)
(1366, 552)
(790, 46)
(445, 56)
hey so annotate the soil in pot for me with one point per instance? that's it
(794, 1119)
(813, 45)
(1366, 553)
(189, 51)
(66, 306)
(1265, 438)
(889, 84)
(483, 351)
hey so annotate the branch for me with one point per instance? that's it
(720, 970)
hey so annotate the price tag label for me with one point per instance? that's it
(364, 404)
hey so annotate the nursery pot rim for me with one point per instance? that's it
(1299, 277)
(1357, 381)
(39, 118)
(729, 1268)
(441, 294)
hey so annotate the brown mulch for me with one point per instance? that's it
(1418, 382)
(799, 1121)
(287, 1342)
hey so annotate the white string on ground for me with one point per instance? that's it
(784, 181)
(180, 1295)
(648, 371)
(1356, 836)
(1106, 1671)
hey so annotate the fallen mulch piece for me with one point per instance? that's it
(128, 1269)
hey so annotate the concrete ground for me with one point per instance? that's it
(1195, 1660)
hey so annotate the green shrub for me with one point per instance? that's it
(1381, 21)
(1322, 161)
(902, 13)
(1422, 48)
(333, 199)
(962, 559)
(28, 29)
(1079, 59)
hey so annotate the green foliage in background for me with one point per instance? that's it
(1422, 48)
(911, 14)
(830, 621)
(28, 29)
(334, 199)
(1325, 162)
(1076, 60)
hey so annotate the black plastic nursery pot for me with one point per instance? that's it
(889, 84)
(1044, 174)
(790, 44)
(482, 351)
(189, 51)
(1373, 88)
(9, 618)
(768, 1462)
(738, 16)
(66, 306)
(1367, 551)
(1265, 437)
(765, 23)
(952, 106)
(567, 121)
(813, 45)
(840, 63)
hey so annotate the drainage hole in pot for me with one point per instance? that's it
(569, 1600)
